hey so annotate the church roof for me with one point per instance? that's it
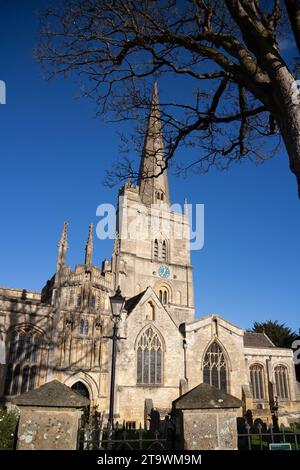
(257, 340)
(131, 303)
(52, 394)
(206, 396)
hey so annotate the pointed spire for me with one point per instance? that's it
(186, 207)
(153, 188)
(62, 248)
(89, 247)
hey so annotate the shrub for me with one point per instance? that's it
(8, 425)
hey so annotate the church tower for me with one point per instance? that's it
(152, 246)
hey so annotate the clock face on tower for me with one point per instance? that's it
(164, 272)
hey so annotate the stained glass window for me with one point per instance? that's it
(215, 367)
(257, 381)
(24, 357)
(281, 381)
(149, 358)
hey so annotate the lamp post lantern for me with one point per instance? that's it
(117, 302)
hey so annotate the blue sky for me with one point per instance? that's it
(54, 154)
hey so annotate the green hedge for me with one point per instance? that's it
(8, 425)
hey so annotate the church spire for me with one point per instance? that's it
(62, 248)
(89, 247)
(153, 186)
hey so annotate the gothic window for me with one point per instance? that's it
(24, 357)
(155, 249)
(78, 300)
(149, 358)
(281, 381)
(93, 301)
(257, 381)
(164, 251)
(84, 327)
(215, 367)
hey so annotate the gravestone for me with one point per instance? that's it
(49, 417)
(206, 419)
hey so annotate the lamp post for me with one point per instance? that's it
(117, 302)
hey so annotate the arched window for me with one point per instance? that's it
(24, 354)
(164, 295)
(155, 249)
(164, 251)
(257, 381)
(281, 381)
(215, 367)
(149, 358)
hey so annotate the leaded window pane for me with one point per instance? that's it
(15, 384)
(139, 366)
(215, 367)
(13, 347)
(28, 347)
(21, 346)
(158, 366)
(149, 358)
(35, 349)
(32, 377)
(281, 382)
(257, 381)
(25, 376)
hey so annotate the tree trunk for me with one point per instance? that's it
(286, 95)
(293, 10)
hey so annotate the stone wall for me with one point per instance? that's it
(48, 429)
(209, 429)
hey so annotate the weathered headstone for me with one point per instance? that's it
(49, 417)
(206, 419)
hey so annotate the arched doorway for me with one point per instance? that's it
(81, 388)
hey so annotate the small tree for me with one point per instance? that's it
(241, 89)
(8, 426)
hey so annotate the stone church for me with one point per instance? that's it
(61, 332)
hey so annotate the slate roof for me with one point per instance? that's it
(131, 303)
(52, 394)
(257, 340)
(206, 396)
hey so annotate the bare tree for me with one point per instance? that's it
(226, 51)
